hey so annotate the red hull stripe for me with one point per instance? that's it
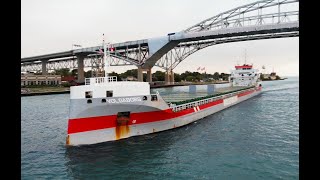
(168, 114)
(246, 93)
(103, 122)
(91, 123)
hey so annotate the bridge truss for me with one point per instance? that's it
(243, 16)
(258, 14)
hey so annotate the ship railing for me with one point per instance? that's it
(181, 107)
(100, 80)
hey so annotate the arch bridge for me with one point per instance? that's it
(264, 19)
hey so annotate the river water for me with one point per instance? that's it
(255, 139)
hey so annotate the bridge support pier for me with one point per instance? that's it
(80, 69)
(44, 67)
(149, 75)
(169, 77)
(140, 74)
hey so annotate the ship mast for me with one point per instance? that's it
(105, 60)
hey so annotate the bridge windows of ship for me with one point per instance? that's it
(88, 94)
(154, 98)
(109, 93)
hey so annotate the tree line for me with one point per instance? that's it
(156, 76)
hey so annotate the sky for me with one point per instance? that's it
(49, 26)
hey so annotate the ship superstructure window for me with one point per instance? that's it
(103, 100)
(145, 98)
(89, 101)
(154, 98)
(88, 94)
(109, 93)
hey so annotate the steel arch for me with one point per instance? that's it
(233, 16)
(184, 49)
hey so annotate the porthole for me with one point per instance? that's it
(103, 100)
(89, 101)
(88, 94)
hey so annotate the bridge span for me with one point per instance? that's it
(259, 20)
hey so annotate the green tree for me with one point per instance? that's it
(144, 77)
(87, 74)
(63, 72)
(132, 72)
(74, 72)
(196, 74)
(199, 77)
(177, 77)
(159, 76)
(216, 76)
(190, 78)
(185, 75)
(224, 76)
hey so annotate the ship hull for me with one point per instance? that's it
(102, 128)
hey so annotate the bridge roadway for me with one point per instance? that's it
(84, 51)
(146, 53)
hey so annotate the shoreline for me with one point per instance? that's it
(274, 79)
(151, 87)
(45, 93)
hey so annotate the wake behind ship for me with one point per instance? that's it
(105, 109)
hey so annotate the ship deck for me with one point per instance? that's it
(186, 97)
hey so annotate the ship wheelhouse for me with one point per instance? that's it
(244, 75)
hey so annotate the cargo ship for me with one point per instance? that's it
(104, 109)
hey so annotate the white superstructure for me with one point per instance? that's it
(244, 76)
